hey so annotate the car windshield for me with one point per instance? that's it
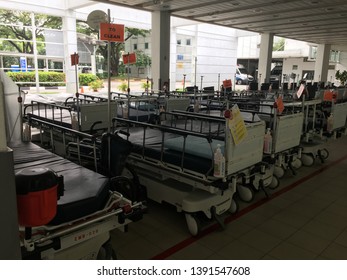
(243, 70)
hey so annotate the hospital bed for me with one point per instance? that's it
(176, 165)
(88, 209)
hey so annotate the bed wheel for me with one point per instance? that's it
(307, 159)
(193, 224)
(279, 171)
(124, 186)
(234, 207)
(245, 193)
(323, 154)
(297, 163)
(106, 252)
(275, 182)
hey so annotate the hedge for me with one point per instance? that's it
(47, 79)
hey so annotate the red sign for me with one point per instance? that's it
(74, 59)
(280, 105)
(129, 58)
(111, 32)
(227, 84)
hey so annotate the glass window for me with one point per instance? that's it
(179, 42)
(146, 46)
(188, 42)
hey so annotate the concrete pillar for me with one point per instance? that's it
(9, 240)
(321, 66)
(160, 48)
(70, 47)
(9, 233)
(173, 60)
(265, 57)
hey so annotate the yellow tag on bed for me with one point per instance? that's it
(237, 125)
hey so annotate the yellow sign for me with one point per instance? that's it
(237, 125)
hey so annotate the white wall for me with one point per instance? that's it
(216, 52)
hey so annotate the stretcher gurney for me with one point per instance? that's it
(177, 167)
(86, 212)
(319, 126)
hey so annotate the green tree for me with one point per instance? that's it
(279, 45)
(16, 29)
(142, 59)
(116, 48)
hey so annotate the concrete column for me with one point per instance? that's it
(70, 47)
(160, 48)
(9, 237)
(265, 57)
(9, 241)
(322, 63)
(173, 59)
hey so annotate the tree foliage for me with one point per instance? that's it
(17, 29)
(116, 48)
(341, 76)
(279, 45)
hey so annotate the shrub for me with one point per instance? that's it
(94, 85)
(341, 76)
(27, 79)
(146, 85)
(123, 87)
(86, 79)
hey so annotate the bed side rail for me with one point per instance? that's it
(70, 138)
(48, 111)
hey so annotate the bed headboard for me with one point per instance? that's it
(247, 153)
(93, 112)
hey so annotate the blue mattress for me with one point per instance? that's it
(197, 157)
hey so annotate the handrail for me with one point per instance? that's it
(64, 130)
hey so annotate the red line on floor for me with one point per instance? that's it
(190, 240)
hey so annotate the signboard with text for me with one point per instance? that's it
(74, 59)
(111, 32)
(129, 58)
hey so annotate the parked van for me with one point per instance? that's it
(242, 76)
(276, 74)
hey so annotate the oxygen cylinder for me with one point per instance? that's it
(330, 123)
(27, 133)
(219, 163)
(74, 122)
(268, 142)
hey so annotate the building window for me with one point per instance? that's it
(295, 67)
(135, 46)
(313, 52)
(334, 56)
(180, 57)
(188, 42)
(146, 46)
(179, 42)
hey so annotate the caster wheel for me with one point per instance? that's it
(124, 186)
(279, 171)
(193, 224)
(297, 163)
(275, 182)
(106, 252)
(234, 206)
(307, 159)
(245, 193)
(323, 154)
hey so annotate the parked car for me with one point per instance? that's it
(242, 76)
(276, 74)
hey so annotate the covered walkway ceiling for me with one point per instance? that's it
(315, 21)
